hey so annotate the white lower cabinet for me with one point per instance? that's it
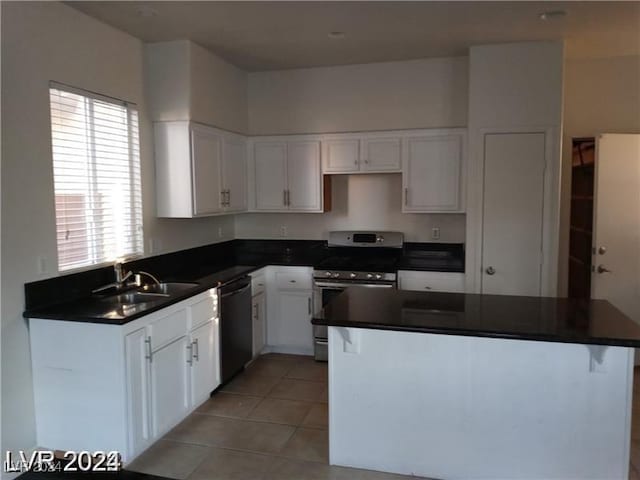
(431, 281)
(131, 383)
(258, 316)
(204, 365)
(169, 386)
(289, 304)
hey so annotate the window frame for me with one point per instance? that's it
(137, 222)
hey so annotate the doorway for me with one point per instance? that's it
(581, 219)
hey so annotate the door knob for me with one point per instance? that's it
(602, 269)
(602, 250)
(490, 270)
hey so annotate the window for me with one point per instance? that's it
(96, 170)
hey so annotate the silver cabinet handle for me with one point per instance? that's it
(284, 197)
(602, 269)
(190, 354)
(223, 198)
(406, 196)
(149, 355)
(427, 288)
(196, 350)
(309, 304)
(228, 198)
(490, 270)
(288, 198)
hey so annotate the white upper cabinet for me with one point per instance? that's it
(206, 157)
(303, 174)
(341, 155)
(381, 154)
(432, 174)
(234, 173)
(287, 175)
(270, 163)
(370, 153)
(200, 170)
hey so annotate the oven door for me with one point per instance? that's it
(326, 290)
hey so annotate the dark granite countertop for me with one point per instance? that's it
(69, 297)
(97, 309)
(497, 316)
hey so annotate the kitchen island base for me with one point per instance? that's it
(454, 407)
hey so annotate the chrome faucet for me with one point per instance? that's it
(122, 277)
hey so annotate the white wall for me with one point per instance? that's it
(43, 42)
(360, 202)
(183, 81)
(602, 95)
(427, 93)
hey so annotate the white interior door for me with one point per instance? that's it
(512, 230)
(303, 173)
(270, 160)
(617, 222)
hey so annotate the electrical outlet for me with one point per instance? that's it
(283, 231)
(435, 233)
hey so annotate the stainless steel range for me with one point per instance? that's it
(356, 258)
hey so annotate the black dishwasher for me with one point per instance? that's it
(236, 332)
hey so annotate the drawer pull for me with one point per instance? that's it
(292, 281)
(427, 288)
(149, 355)
(196, 350)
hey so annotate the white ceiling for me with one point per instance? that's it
(279, 35)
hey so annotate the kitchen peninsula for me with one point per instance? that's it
(448, 385)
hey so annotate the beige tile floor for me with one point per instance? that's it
(270, 423)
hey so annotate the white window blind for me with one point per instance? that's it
(96, 169)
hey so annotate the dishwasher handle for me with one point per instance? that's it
(235, 292)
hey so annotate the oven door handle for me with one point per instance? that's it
(345, 285)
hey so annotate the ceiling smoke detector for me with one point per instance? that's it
(336, 35)
(552, 15)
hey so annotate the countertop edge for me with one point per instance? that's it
(478, 333)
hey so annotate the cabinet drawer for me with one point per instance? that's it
(204, 310)
(258, 284)
(431, 281)
(293, 280)
(167, 329)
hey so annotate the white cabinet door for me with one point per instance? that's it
(270, 159)
(137, 368)
(303, 175)
(206, 158)
(512, 230)
(169, 385)
(205, 376)
(431, 281)
(235, 174)
(341, 155)
(432, 174)
(381, 154)
(258, 314)
(293, 328)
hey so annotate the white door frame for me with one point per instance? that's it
(551, 205)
